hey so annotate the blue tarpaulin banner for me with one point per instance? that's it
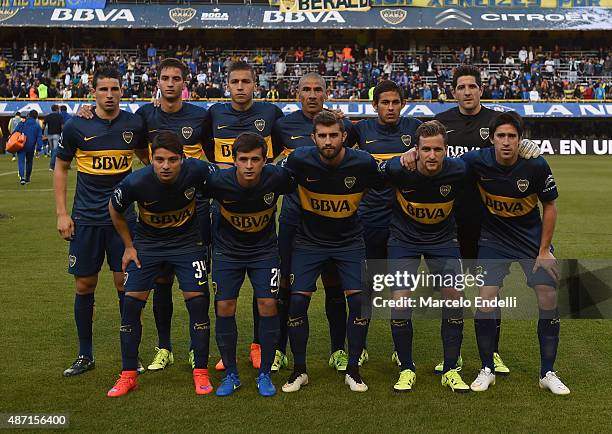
(65, 4)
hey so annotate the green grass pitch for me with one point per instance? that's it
(38, 341)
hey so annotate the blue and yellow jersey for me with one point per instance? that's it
(104, 152)
(383, 143)
(330, 196)
(294, 131)
(190, 123)
(226, 124)
(423, 209)
(510, 196)
(166, 211)
(247, 223)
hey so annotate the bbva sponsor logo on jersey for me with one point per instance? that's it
(300, 17)
(250, 223)
(269, 198)
(431, 214)
(445, 190)
(406, 139)
(349, 181)
(171, 220)
(523, 185)
(338, 205)
(484, 133)
(189, 193)
(260, 124)
(101, 15)
(108, 163)
(128, 136)
(187, 132)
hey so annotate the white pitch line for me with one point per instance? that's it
(16, 173)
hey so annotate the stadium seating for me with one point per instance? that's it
(520, 73)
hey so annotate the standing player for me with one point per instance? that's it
(167, 235)
(228, 121)
(384, 137)
(467, 126)
(245, 243)
(104, 147)
(332, 180)
(423, 224)
(513, 230)
(295, 131)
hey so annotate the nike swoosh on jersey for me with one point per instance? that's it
(200, 283)
(450, 131)
(230, 201)
(150, 203)
(152, 131)
(220, 127)
(311, 180)
(407, 191)
(482, 178)
(296, 137)
(367, 142)
(87, 139)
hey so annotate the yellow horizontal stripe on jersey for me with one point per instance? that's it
(336, 206)
(286, 152)
(385, 157)
(508, 206)
(169, 219)
(223, 149)
(248, 222)
(425, 213)
(106, 162)
(193, 151)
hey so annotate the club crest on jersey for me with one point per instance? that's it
(187, 132)
(128, 136)
(406, 140)
(72, 260)
(269, 198)
(189, 193)
(484, 133)
(522, 185)
(214, 287)
(444, 190)
(260, 124)
(291, 278)
(349, 181)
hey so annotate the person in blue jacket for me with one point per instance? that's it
(25, 157)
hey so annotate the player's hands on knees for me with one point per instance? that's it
(548, 263)
(129, 255)
(408, 159)
(85, 111)
(65, 227)
(528, 149)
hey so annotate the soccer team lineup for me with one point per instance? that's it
(202, 211)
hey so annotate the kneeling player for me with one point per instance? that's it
(245, 243)
(167, 235)
(514, 231)
(423, 224)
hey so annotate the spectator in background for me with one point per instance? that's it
(54, 124)
(64, 113)
(280, 67)
(25, 157)
(600, 91)
(42, 90)
(151, 52)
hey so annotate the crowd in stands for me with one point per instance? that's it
(39, 71)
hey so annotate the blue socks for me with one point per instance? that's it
(162, 311)
(130, 332)
(356, 327)
(199, 329)
(226, 334)
(83, 317)
(335, 310)
(452, 336)
(269, 331)
(485, 325)
(298, 327)
(548, 335)
(402, 332)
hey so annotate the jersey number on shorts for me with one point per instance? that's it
(275, 279)
(200, 267)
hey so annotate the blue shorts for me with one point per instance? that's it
(291, 210)
(495, 266)
(439, 260)
(189, 268)
(307, 265)
(228, 277)
(89, 246)
(376, 240)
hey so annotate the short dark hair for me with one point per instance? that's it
(54, 107)
(504, 118)
(33, 114)
(171, 62)
(17, 113)
(431, 129)
(387, 86)
(239, 65)
(328, 119)
(247, 142)
(63, 108)
(105, 72)
(465, 70)
(167, 140)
